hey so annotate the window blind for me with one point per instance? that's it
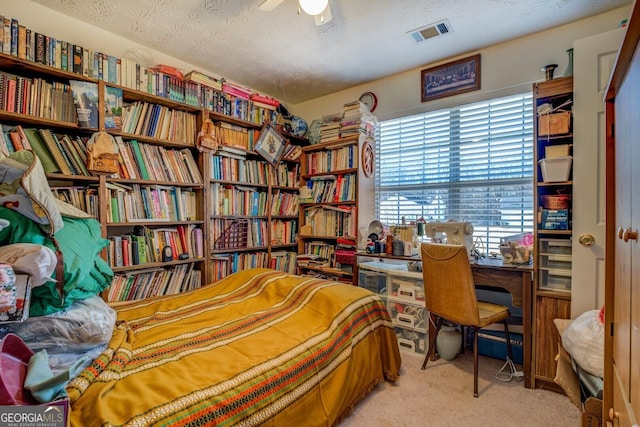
(470, 163)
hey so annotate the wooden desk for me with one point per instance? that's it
(516, 279)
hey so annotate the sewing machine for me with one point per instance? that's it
(456, 232)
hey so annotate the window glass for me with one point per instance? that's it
(469, 163)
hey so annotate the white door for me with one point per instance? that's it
(594, 58)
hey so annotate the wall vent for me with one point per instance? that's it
(431, 30)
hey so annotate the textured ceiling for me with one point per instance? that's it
(283, 54)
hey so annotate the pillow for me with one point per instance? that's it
(37, 261)
(583, 339)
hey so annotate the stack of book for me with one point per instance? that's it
(357, 120)
(330, 128)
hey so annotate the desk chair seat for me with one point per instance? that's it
(450, 294)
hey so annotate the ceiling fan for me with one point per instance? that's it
(319, 9)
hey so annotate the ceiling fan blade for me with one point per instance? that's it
(269, 5)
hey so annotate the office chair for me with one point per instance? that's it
(450, 294)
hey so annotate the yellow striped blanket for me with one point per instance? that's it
(259, 347)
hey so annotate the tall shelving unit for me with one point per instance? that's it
(97, 195)
(109, 198)
(340, 183)
(553, 231)
(253, 205)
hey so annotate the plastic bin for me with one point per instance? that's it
(412, 341)
(556, 169)
(494, 344)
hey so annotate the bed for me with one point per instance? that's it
(259, 347)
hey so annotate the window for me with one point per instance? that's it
(469, 163)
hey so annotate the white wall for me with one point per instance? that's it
(506, 68)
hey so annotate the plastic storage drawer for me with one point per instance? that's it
(413, 316)
(412, 341)
(374, 281)
(406, 285)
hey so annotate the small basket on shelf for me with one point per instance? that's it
(556, 201)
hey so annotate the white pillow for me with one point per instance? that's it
(583, 339)
(29, 258)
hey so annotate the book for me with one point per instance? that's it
(39, 147)
(85, 98)
(113, 108)
(72, 154)
(52, 145)
(144, 174)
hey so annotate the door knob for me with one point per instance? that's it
(613, 414)
(587, 240)
(629, 234)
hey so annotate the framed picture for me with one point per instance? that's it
(452, 78)
(270, 144)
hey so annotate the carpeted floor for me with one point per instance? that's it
(442, 395)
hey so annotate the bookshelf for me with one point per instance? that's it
(338, 200)
(164, 194)
(253, 205)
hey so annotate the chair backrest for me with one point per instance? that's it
(449, 289)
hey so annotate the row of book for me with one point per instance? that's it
(284, 232)
(335, 221)
(152, 282)
(37, 97)
(84, 198)
(135, 202)
(329, 189)
(336, 159)
(223, 264)
(158, 121)
(237, 200)
(194, 89)
(147, 246)
(151, 162)
(284, 261)
(235, 136)
(250, 171)
(284, 203)
(58, 153)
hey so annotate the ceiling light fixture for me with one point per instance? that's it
(313, 7)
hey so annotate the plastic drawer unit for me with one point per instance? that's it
(555, 264)
(407, 309)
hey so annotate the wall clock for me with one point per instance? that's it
(370, 100)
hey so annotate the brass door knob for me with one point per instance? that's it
(629, 234)
(587, 240)
(613, 415)
(619, 232)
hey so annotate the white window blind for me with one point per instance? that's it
(470, 163)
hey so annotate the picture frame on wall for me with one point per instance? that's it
(270, 144)
(452, 78)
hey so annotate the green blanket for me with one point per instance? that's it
(80, 240)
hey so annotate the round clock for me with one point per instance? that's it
(370, 100)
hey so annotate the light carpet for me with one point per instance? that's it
(442, 395)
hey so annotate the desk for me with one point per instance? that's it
(517, 279)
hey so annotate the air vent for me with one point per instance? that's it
(431, 30)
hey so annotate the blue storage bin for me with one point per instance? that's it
(493, 344)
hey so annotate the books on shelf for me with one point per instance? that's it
(113, 108)
(85, 97)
